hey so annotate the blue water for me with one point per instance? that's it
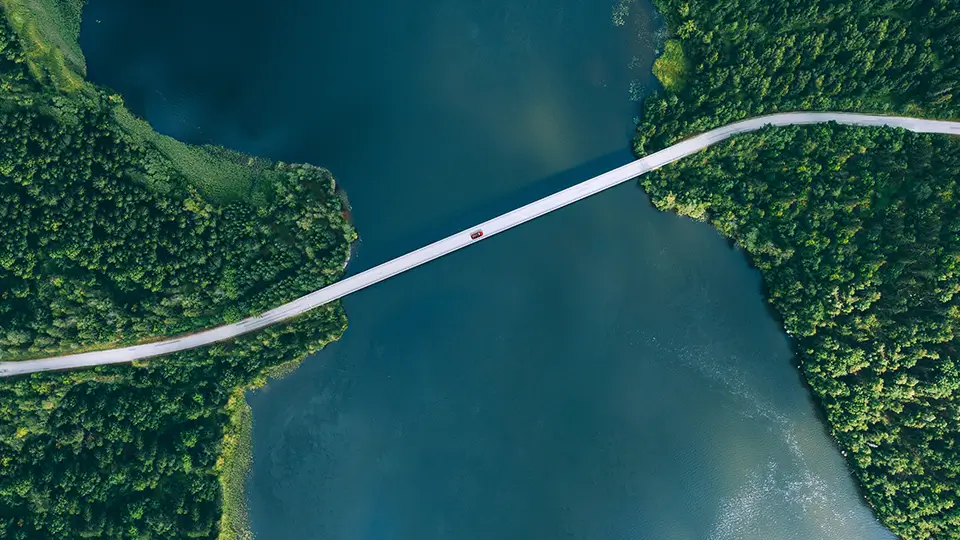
(605, 372)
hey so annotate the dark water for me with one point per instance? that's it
(604, 372)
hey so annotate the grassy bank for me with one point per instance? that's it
(223, 176)
(49, 30)
(671, 67)
(233, 467)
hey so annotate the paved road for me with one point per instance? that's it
(462, 239)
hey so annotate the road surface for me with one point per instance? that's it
(462, 239)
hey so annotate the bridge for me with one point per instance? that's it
(463, 239)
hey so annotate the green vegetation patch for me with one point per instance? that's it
(670, 68)
(222, 176)
(233, 467)
(48, 30)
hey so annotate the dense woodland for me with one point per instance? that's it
(744, 58)
(105, 240)
(856, 230)
(135, 452)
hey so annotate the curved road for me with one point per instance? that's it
(463, 239)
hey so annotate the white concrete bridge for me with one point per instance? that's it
(465, 238)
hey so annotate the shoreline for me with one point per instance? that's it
(230, 432)
(235, 462)
(347, 213)
(236, 459)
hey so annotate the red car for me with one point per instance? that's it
(476, 234)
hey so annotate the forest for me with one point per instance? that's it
(743, 58)
(137, 452)
(855, 230)
(108, 239)
(106, 242)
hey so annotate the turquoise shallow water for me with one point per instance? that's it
(607, 371)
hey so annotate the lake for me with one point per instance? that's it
(607, 371)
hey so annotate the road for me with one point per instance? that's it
(462, 239)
